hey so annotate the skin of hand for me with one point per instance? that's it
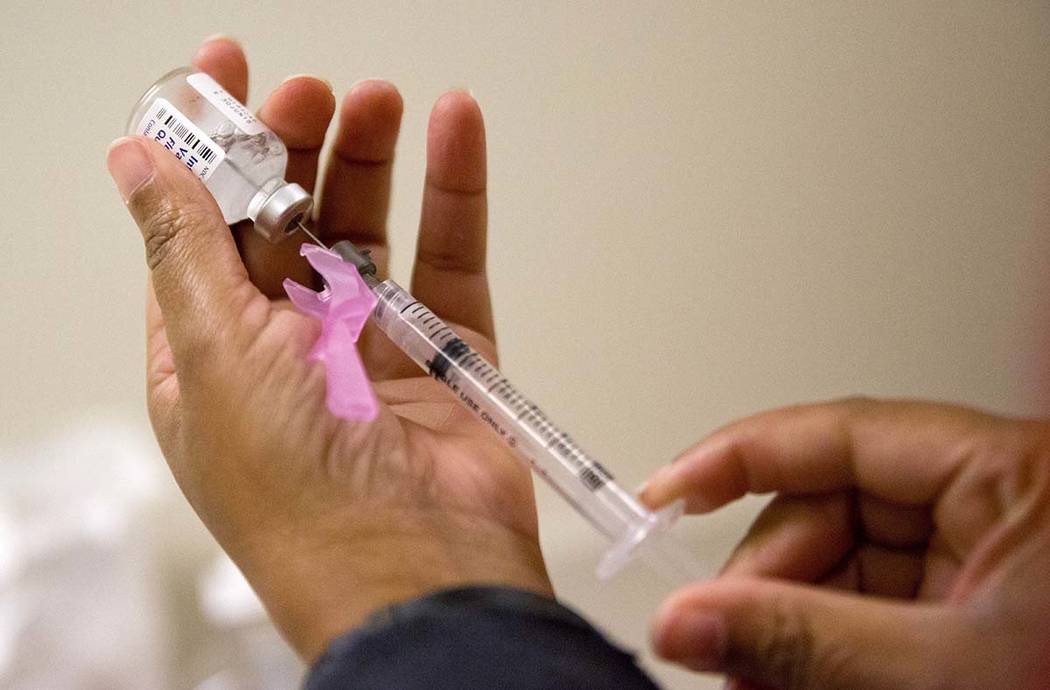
(329, 520)
(907, 546)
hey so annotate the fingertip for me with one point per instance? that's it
(299, 111)
(314, 77)
(222, 57)
(663, 620)
(687, 634)
(130, 164)
(456, 143)
(309, 86)
(217, 47)
(459, 106)
(370, 119)
(151, 180)
(657, 490)
(456, 113)
(704, 476)
(377, 97)
(658, 634)
(220, 36)
(122, 141)
(660, 624)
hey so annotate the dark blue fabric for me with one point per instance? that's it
(477, 637)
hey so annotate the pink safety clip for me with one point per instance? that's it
(343, 307)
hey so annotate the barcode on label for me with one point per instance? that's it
(594, 477)
(183, 132)
(166, 125)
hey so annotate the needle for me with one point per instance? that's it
(309, 234)
(344, 249)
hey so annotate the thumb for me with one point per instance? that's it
(200, 282)
(791, 636)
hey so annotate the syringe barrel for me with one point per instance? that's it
(481, 388)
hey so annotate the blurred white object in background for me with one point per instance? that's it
(255, 656)
(100, 565)
(10, 616)
(77, 611)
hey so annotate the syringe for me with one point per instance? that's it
(553, 455)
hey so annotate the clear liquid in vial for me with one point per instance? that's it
(196, 115)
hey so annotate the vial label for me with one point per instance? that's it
(174, 131)
(227, 104)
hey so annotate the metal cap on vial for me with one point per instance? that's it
(281, 211)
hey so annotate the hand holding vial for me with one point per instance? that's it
(239, 410)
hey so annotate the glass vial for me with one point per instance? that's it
(239, 159)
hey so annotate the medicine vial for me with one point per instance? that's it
(238, 158)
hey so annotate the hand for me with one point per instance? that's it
(934, 519)
(328, 520)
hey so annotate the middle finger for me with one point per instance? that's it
(356, 193)
(298, 111)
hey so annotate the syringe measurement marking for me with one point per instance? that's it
(447, 351)
(560, 442)
(459, 354)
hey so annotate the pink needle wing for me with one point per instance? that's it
(343, 307)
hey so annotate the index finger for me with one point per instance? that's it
(355, 194)
(900, 451)
(298, 111)
(222, 58)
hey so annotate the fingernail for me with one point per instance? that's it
(459, 90)
(309, 76)
(367, 80)
(645, 491)
(220, 37)
(130, 165)
(695, 639)
(661, 476)
(701, 664)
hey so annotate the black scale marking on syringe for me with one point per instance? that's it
(591, 473)
(436, 328)
(456, 351)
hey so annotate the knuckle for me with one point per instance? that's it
(785, 648)
(834, 663)
(791, 655)
(158, 243)
(450, 260)
(167, 225)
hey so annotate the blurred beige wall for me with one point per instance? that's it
(698, 209)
